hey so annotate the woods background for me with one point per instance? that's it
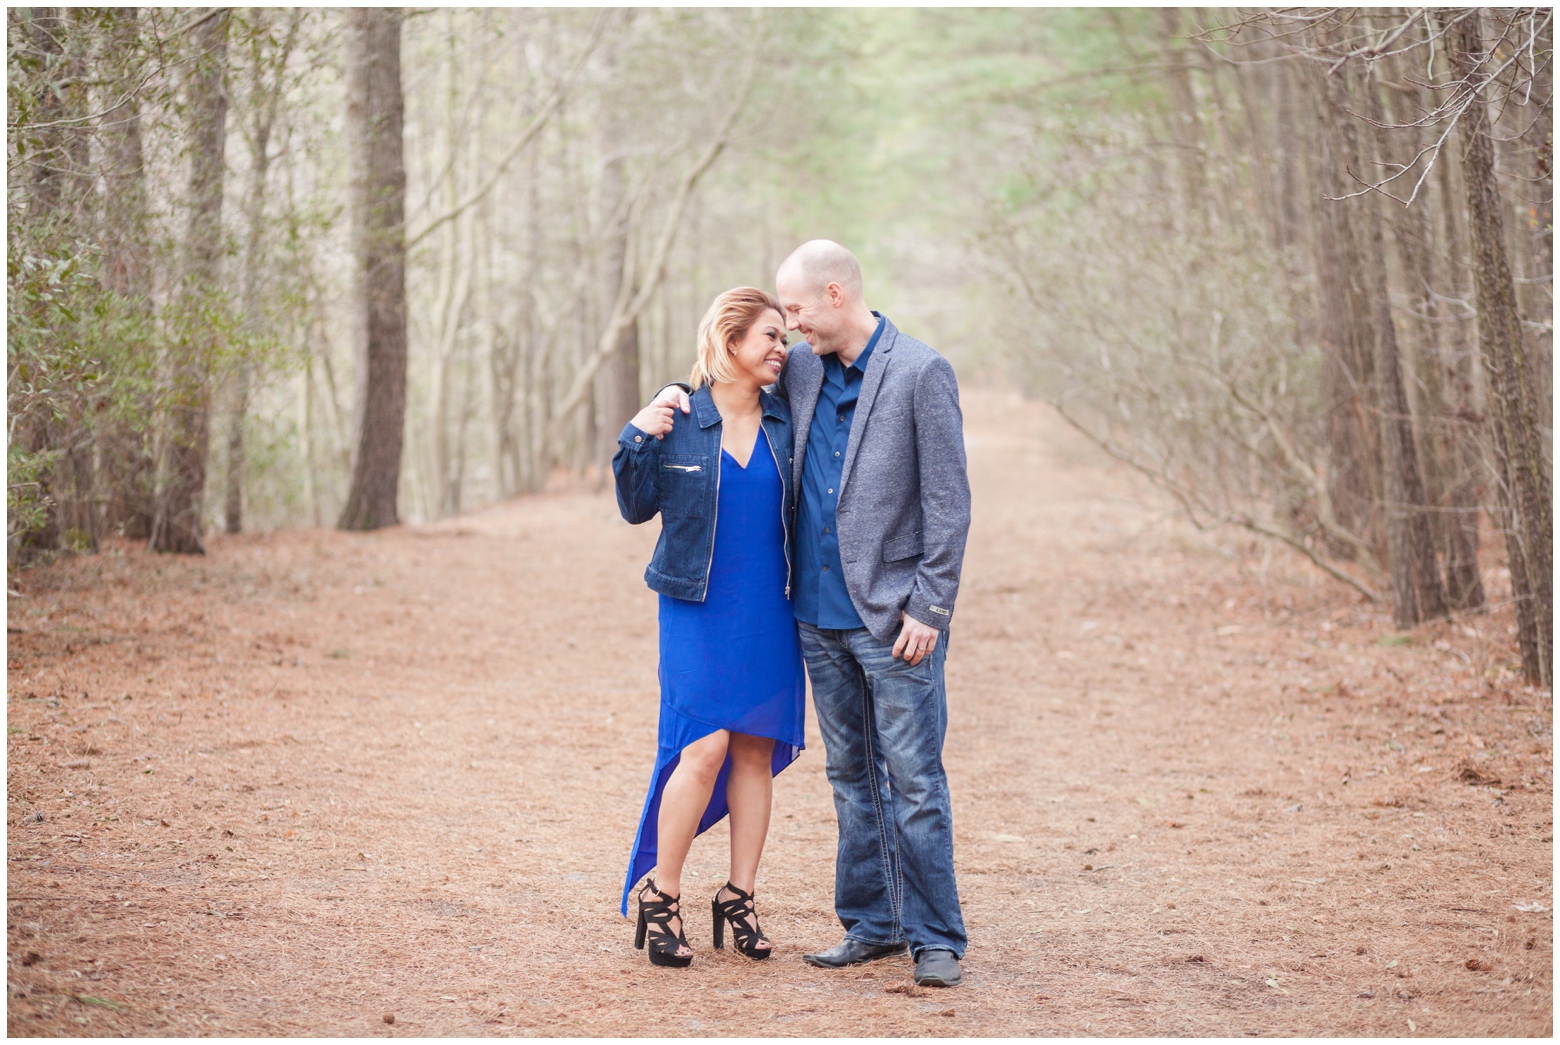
(277, 267)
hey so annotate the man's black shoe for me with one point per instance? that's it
(852, 952)
(937, 968)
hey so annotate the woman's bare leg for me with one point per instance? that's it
(749, 790)
(683, 801)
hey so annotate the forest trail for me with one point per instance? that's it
(315, 779)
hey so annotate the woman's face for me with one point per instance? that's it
(758, 357)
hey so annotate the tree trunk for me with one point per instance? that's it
(374, 116)
(176, 527)
(127, 265)
(1518, 440)
(1462, 452)
(1185, 128)
(263, 101)
(125, 467)
(1348, 366)
(617, 383)
(49, 157)
(1417, 594)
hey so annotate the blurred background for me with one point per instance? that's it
(298, 267)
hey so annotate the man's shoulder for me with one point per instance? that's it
(801, 354)
(799, 360)
(912, 355)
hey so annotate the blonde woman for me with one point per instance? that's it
(732, 686)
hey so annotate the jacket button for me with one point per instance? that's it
(639, 438)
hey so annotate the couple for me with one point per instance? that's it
(814, 505)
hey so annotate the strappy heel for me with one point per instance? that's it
(663, 943)
(744, 936)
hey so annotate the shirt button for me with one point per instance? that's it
(825, 529)
(842, 417)
(640, 439)
(836, 453)
(825, 569)
(831, 489)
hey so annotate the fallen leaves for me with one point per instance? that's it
(1469, 773)
(91, 999)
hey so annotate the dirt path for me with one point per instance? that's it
(315, 779)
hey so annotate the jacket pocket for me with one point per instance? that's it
(902, 547)
(684, 482)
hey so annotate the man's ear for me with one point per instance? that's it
(836, 294)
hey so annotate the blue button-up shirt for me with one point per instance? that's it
(820, 597)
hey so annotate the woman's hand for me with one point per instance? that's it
(655, 419)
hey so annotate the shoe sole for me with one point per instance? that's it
(936, 981)
(811, 959)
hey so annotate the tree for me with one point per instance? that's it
(265, 64)
(1417, 594)
(374, 119)
(1524, 471)
(176, 526)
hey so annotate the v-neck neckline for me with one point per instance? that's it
(751, 451)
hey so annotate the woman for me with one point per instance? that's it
(731, 669)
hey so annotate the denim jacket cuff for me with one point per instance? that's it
(929, 613)
(633, 439)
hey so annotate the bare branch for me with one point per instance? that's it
(539, 121)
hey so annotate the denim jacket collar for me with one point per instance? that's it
(708, 414)
(704, 409)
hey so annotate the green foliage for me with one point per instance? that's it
(80, 362)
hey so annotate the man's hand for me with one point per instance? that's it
(915, 640)
(653, 420)
(656, 419)
(672, 395)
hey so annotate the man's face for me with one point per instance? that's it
(812, 311)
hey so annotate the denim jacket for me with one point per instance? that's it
(679, 477)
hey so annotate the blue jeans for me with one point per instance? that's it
(883, 723)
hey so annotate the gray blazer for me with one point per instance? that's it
(904, 507)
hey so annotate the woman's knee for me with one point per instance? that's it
(704, 757)
(747, 750)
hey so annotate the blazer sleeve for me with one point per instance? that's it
(945, 494)
(636, 467)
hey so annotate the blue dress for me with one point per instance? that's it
(732, 661)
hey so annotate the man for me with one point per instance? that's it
(883, 513)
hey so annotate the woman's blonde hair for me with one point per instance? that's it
(727, 322)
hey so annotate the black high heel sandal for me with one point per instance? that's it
(663, 944)
(737, 911)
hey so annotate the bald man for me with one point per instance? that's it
(883, 512)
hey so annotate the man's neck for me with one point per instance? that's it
(861, 329)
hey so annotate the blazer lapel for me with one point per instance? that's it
(803, 382)
(871, 381)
